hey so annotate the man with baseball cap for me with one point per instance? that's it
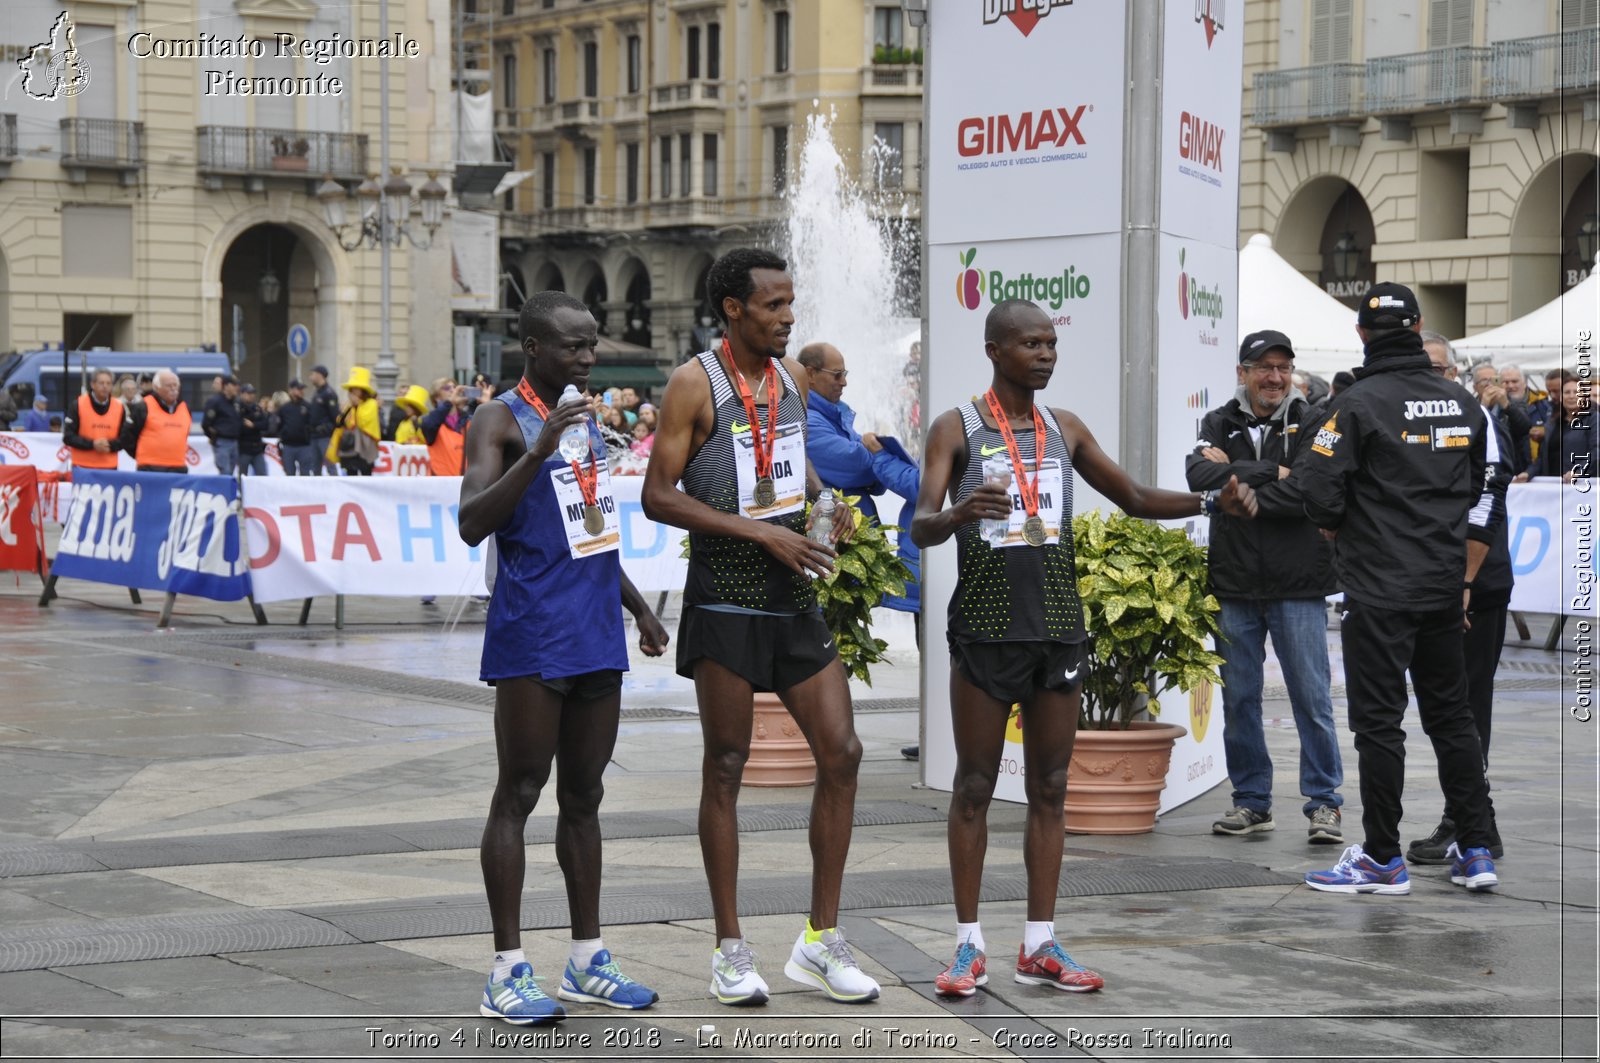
(1272, 576)
(1394, 476)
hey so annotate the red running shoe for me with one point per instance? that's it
(1050, 965)
(965, 974)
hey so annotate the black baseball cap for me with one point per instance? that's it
(251, 388)
(321, 369)
(1258, 343)
(1388, 305)
(296, 383)
(226, 379)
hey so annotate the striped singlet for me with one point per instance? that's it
(726, 572)
(1020, 593)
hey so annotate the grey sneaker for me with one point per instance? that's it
(1325, 828)
(1242, 821)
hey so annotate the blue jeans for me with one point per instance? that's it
(253, 464)
(302, 460)
(226, 451)
(1299, 631)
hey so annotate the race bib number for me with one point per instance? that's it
(1051, 484)
(788, 469)
(569, 501)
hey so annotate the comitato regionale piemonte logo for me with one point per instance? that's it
(1024, 14)
(54, 69)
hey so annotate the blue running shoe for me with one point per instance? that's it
(519, 1000)
(1473, 869)
(602, 983)
(1356, 872)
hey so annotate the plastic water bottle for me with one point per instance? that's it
(996, 472)
(575, 440)
(822, 527)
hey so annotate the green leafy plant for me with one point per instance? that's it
(1148, 613)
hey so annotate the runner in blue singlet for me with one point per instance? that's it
(552, 649)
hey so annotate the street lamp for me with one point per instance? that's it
(1346, 257)
(1588, 240)
(269, 287)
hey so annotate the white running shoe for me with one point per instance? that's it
(829, 965)
(734, 980)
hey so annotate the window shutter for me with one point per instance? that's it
(1331, 24)
(1580, 14)
(1449, 23)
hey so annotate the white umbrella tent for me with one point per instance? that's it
(1544, 338)
(1275, 295)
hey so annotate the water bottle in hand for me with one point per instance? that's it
(822, 526)
(996, 471)
(575, 440)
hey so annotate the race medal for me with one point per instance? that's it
(594, 521)
(766, 493)
(1033, 531)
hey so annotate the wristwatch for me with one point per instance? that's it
(1208, 503)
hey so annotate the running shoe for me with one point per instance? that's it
(519, 1000)
(1050, 965)
(1356, 872)
(734, 980)
(1325, 827)
(965, 974)
(1473, 869)
(1243, 821)
(829, 965)
(602, 983)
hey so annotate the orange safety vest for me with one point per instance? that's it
(91, 426)
(447, 452)
(164, 440)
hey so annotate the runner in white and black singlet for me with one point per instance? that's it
(732, 429)
(1016, 628)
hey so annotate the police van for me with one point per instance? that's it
(60, 376)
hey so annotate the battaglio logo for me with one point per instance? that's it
(1052, 290)
(1210, 14)
(1192, 298)
(1024, 14)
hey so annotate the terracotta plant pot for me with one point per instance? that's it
(1115, 780)
(779, 753)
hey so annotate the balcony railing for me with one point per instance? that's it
(1313, 93)
(255, 151)
(679, 94)
(1442, 77)
(1543, 66)
(629, 106)
(579, 112)
(903, 77)
(102, 143)
(8, 137)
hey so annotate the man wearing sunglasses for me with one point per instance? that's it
(1271, 575)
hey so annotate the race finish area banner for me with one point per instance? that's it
(46, 451)
(155, 531)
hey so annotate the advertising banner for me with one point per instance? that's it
(44, 450)
(155, 531)
(1024, 137)
(1201, 96)
(1197, 317)
(1550, 532)
(21, 523)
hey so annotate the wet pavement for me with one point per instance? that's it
(229, 841)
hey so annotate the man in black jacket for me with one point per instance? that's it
(252, 429)
(324, 403)
(1272, 575)
(1393, 476)
(222, 423)
(295, 449)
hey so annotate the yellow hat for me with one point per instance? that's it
(360, 377)
(416, 397)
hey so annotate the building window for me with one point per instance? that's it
(508, 7)
(1449, 23)
(691, 58)
(1331, 22)
(549, 58)
(891, 142)
(714, 51)
(1580, 14)
(708, 165)
(591, 69)
(888, 28)
(631, 168)
(634, 64)
(591, 174)
(549, 190)
(780, 42)
(508, 81)
(666, 167)
(780, 158)
(685, 151)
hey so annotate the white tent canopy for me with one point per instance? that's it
(1275, 295)
(1543, 338)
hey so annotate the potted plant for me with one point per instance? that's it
(290, 154)
(1149, 614)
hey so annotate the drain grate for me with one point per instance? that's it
(160, 937)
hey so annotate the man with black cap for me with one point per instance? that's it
(1393, 477)
(222, 424)
(296, 449)
(252, 426)
(324, 403)
(1272, 576)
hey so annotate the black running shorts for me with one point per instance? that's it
(1010, 672)
(771, 653)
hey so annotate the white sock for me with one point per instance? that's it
(583, 951)
(970, 932)
(1036, 934)
(729, 944)
(503, 962)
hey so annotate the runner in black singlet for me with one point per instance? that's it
(750, 619)
(1016, 627)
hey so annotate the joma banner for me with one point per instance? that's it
(155, 531)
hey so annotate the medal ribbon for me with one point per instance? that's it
(763, 454)
(1029, 492)
(588, 486)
